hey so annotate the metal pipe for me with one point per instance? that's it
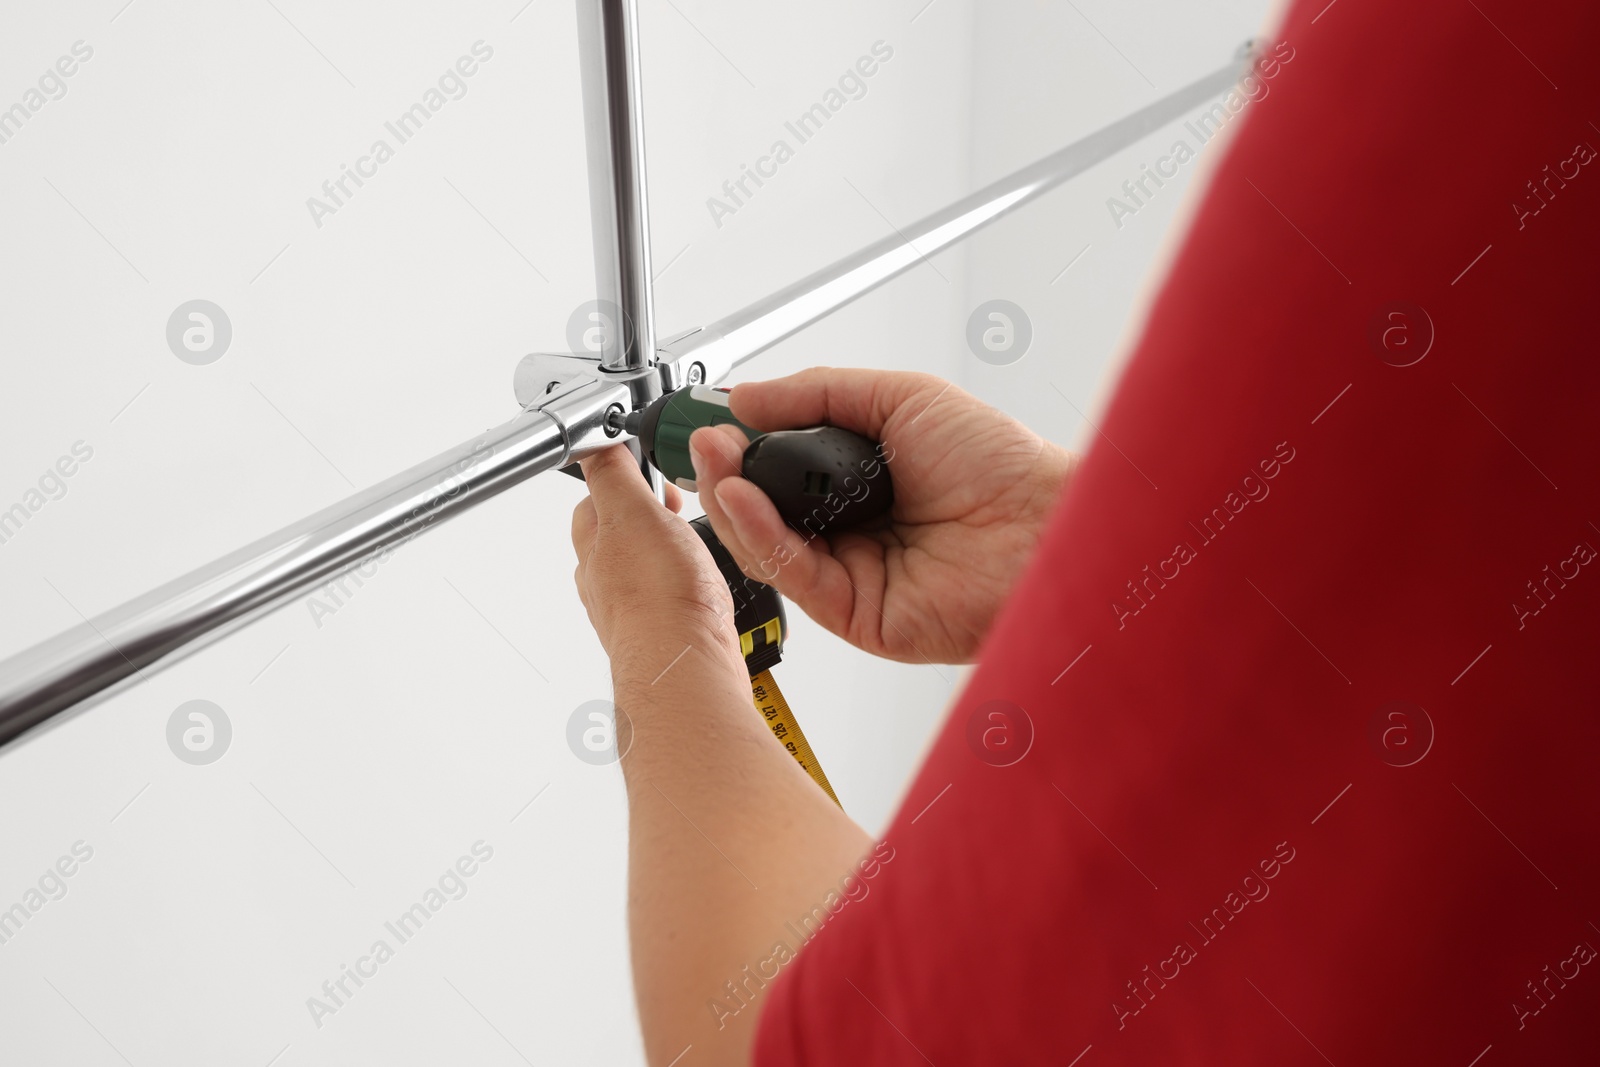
(725, 344)
(619, 205)
(608, 43)
(87, 663)
(128, 643)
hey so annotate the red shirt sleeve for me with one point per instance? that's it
(1303, 680)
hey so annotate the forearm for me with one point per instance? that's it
(729, 841)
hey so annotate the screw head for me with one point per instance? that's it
(697, 373)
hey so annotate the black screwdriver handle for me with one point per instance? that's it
(823, 480)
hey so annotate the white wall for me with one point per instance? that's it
(1045, 74)
(372, 750)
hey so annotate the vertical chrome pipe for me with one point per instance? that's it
(608, 42)
(619, 207)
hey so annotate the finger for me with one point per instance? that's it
(752, 530)
(859, 400)
(748, 524)
(717, 453)
(674, 499)
(763, 545)
(617, 485)
(584, 522)
(771, 552)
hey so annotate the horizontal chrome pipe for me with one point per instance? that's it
(130, 642)
(725, 344)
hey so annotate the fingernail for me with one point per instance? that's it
(695, 459)
(724, 493)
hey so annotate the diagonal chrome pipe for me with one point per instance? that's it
(154, 631)
(725, 344)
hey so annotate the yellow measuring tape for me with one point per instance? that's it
(775, 710)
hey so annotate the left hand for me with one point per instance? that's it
(646, 580)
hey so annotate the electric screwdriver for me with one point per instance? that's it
(821, 480)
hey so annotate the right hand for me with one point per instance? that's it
(973, 489)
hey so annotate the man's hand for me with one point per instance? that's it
(707, 782)
(645, 578)
(972, 491)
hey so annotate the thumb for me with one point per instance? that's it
(857, 399)
(617, 484)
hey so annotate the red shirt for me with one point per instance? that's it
(1309, 657)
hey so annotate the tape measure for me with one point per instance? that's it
(773, 708)
(762, 624)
